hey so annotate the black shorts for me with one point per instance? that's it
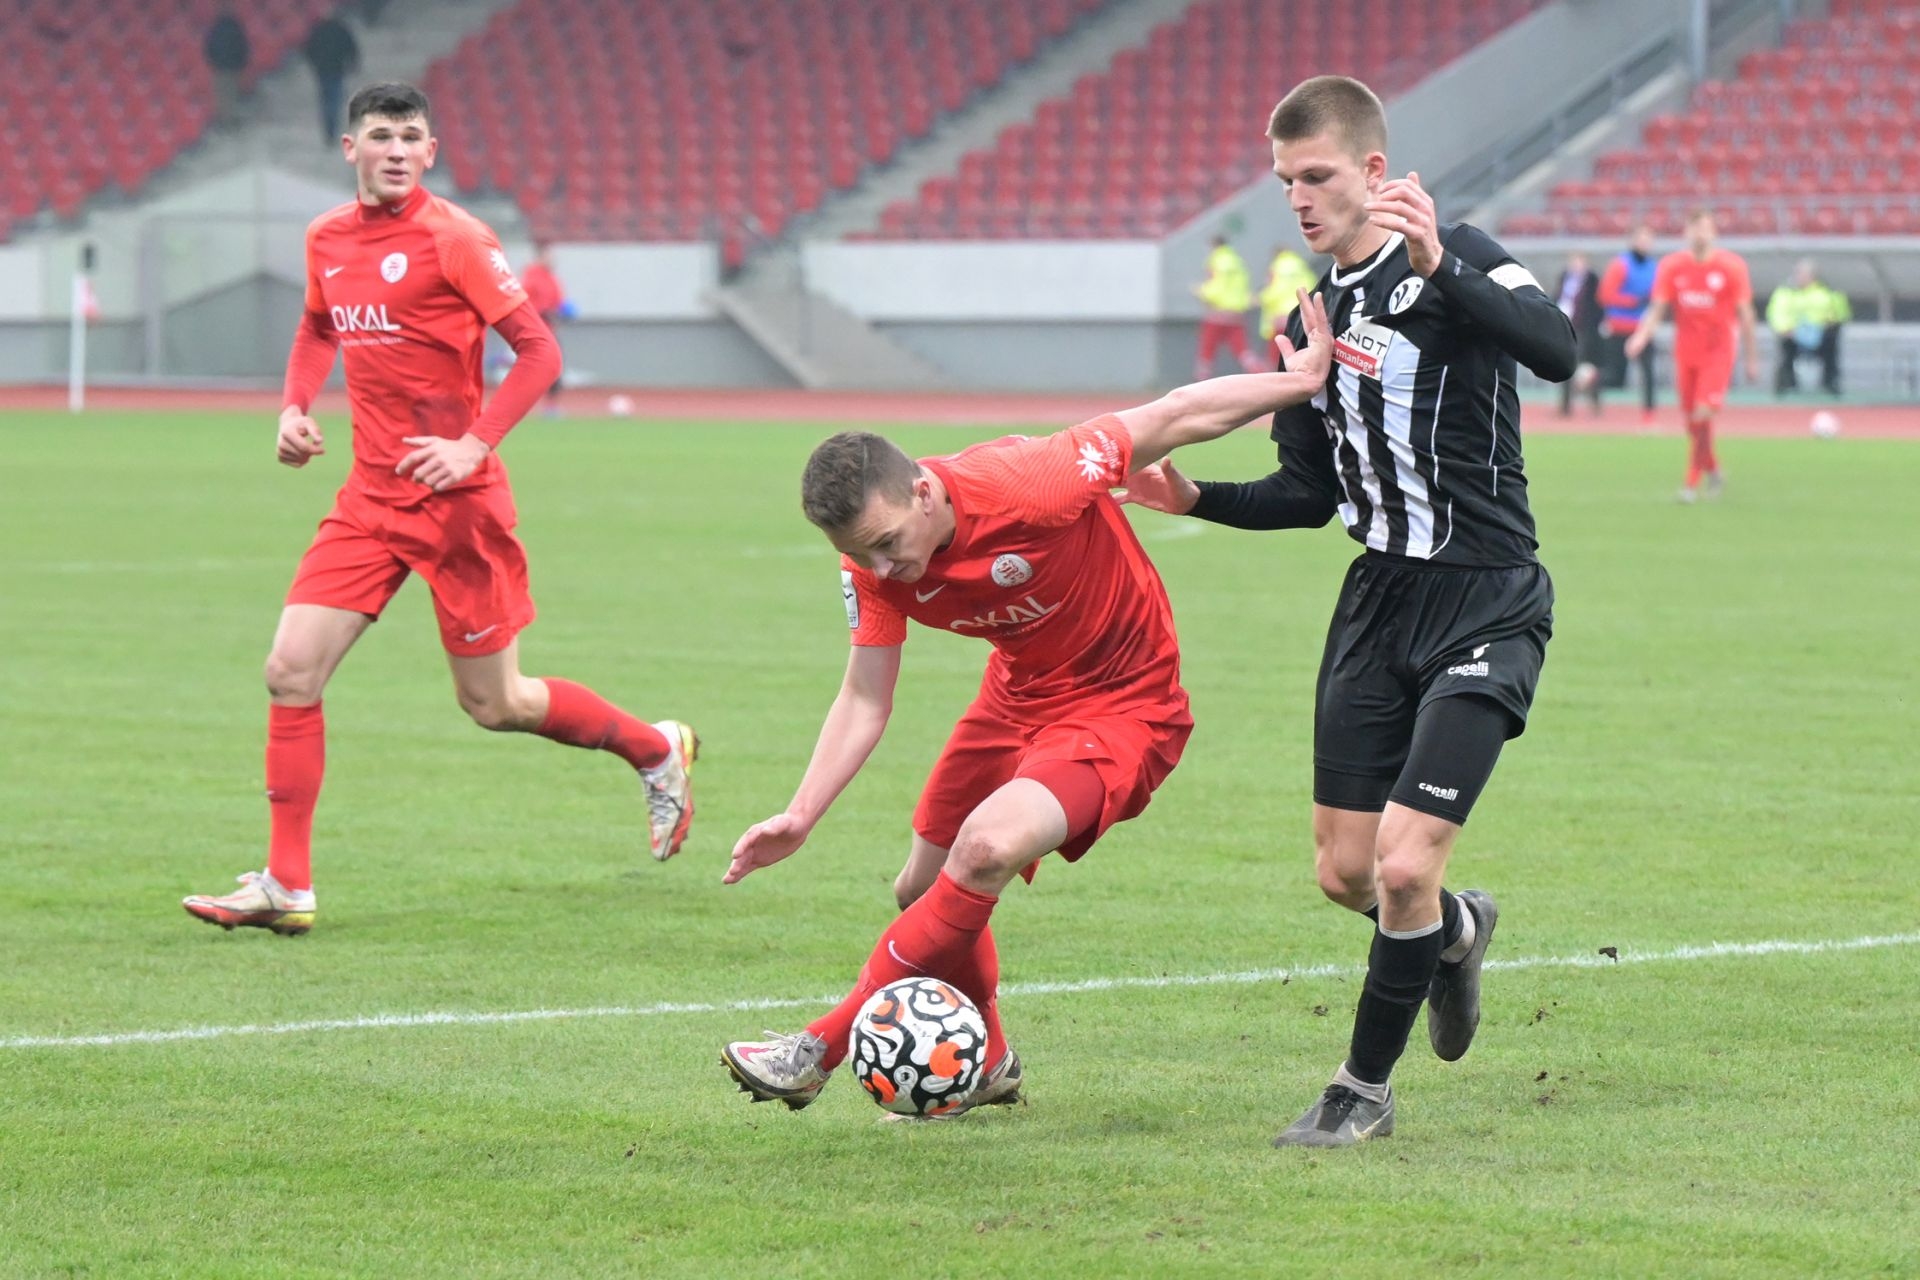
(1405, 636)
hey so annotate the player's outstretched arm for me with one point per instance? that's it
(853, 727)
(1649, 323)
(1208, 410)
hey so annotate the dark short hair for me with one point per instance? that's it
(1331, 104)
(392, 101)
(846, 470)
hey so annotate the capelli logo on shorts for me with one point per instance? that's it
(1444, 793)
(1475, 668)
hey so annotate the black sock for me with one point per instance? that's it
(1449, 919)
(1372, 913)
(1399, 971)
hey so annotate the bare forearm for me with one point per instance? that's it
(852, 729)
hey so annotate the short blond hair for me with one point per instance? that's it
(1332, 104)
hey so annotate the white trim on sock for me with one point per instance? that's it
(1402, 935)
(1469, 931)
(1366, 1089)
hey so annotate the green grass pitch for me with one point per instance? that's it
(1724, 749)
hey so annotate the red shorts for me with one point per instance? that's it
(1132, 755)
(1702, 379)
(461, 543)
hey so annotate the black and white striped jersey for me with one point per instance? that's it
(1415, 440)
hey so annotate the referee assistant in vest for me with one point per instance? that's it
(1437, 640)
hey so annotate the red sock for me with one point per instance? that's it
(939, 936)
(981, 981)
(579, 717)
(296, 760)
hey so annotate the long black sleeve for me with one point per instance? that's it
(1300, 495)
(1503, 299)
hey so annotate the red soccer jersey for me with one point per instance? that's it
(1705, 298)
(1044, 566)
(410, 290)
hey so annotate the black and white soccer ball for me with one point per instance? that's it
(919, 1047)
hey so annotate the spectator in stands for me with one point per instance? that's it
(546, 295)
(1286, 276)
(1578, 296)
(334, 54)
(227, 52)
(1806, 315)
(1228, 295)
(1625, 289)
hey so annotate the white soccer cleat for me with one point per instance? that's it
(781, 1068)
(669, 788)
(259, 903)
(1001, 1088)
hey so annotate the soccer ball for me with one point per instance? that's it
(620, 406)
(919, 1047)
(1825, 425)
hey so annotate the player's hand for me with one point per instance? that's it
(439, 462)
(299, 438)
(1316, 358)
(1636, 344)
(764, 844)
(1402, 205)
(1160, 487)
(1753, 366)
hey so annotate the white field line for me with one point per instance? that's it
(1244, 977)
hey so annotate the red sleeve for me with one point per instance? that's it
(1609, 290)
(1049, 480)
(1742, 281)
(311, 359)
(536, 367)
(873, 622)
(476, 267)
(1663, 281)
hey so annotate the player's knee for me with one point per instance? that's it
(986, 857)
(1341, 884)
(291, 680)
(1409, 868)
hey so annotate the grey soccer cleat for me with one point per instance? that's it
(1001, 1088)
(1453, 1001)
(1339, 1119)
(781, 1068)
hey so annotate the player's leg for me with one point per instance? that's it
(1830, 359)
(1646, 383)
(1715, 381)
(344, 581)
(1686, 385)
(1786, 355)
(1210, 335)
(1236, 336)
(1456, 741)
(482, 600)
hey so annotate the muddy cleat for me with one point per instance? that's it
(1339, 1119)
(1001, 1088)
(1687, 496)
(259, 903)
(1453, 1001)
(779, 1068)
(669, 787)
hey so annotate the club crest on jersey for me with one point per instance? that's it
(1010, 570)
(1362, 347)
(393, 267)
(1405, 294)
(363, 320)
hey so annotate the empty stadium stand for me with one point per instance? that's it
(101, 95)
(1815, 137)
(1172, 128)
(735, 116)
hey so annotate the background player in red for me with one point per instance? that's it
(1708, 290)
(408, 283)
(1080, 714)
(548, 298)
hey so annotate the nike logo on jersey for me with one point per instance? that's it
(331, 272)
(473, 636)
(929, 595)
